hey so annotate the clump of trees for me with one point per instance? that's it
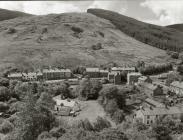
(89, 89)
(174, 55)
(113, 101)
(156, 36)
(156, 69)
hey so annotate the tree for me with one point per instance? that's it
(112, 134)
(45, 136)
(4, 107)
(84, 88)
(180, 69)
(4, 93)
(4, 82)
(101, 123)
(6, 127)
(111, 106)
(96, 86)
(34, 118)
(162, 132)
(46, 101)
(57, 132)
(118, 116)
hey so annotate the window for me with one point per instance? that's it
(156, 116)
(147, 121)
(151, 121)
(148, 117)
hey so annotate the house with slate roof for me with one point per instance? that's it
(152, 90)
(149, 116)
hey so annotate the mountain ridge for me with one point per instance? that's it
(69, 40)
(9, 14)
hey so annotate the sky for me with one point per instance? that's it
(159, 12)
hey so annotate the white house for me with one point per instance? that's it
(65, 107)
(177, 87)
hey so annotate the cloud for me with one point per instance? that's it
(40, 7)
(119, 6)
(168, 12)
(47, 7)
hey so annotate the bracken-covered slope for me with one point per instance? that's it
(178, 27)
(7, 14)
(69, 40)
(157, 36)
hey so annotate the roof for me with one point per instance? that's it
(92, 70)
(142, 78)
(65, 103)
(150, 86)
(104, 71)
(153, 102)
(29, 74)
(162, 111)
(15, 75)
(177, 84)
(122, 68)
(55, 70)
(134, 74)
(113, 73)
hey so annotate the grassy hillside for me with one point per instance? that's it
(7, 14)
(178, 27)
(70, 40)
(157, 36)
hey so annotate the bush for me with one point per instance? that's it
(118, 116)
(6, 127)
(11, 31)
(111, 106)
(57, 132)
(4, 82)
(77, 29)
(4, 107)
(98, 46)
(4, 93)
(83, 124)
(101, 123)
(175, 55)
(45, 136)
(89, 89)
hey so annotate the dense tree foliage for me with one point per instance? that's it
(89, 89)
(4, 93)
(155, 69)
(160, 37)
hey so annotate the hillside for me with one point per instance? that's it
(69, 40)
(178, 27)
(7, 14)
(157, 36)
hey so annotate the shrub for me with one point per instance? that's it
(98, 46)
(118, 116)
(4, 93)
(45, 136)
(4, 107)
(4, 82)
(83, 124)
(6, 127)
(11, 30)
(77, 29)
(57, 132)
(111, 106)
(175, 55)
(101, 123)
